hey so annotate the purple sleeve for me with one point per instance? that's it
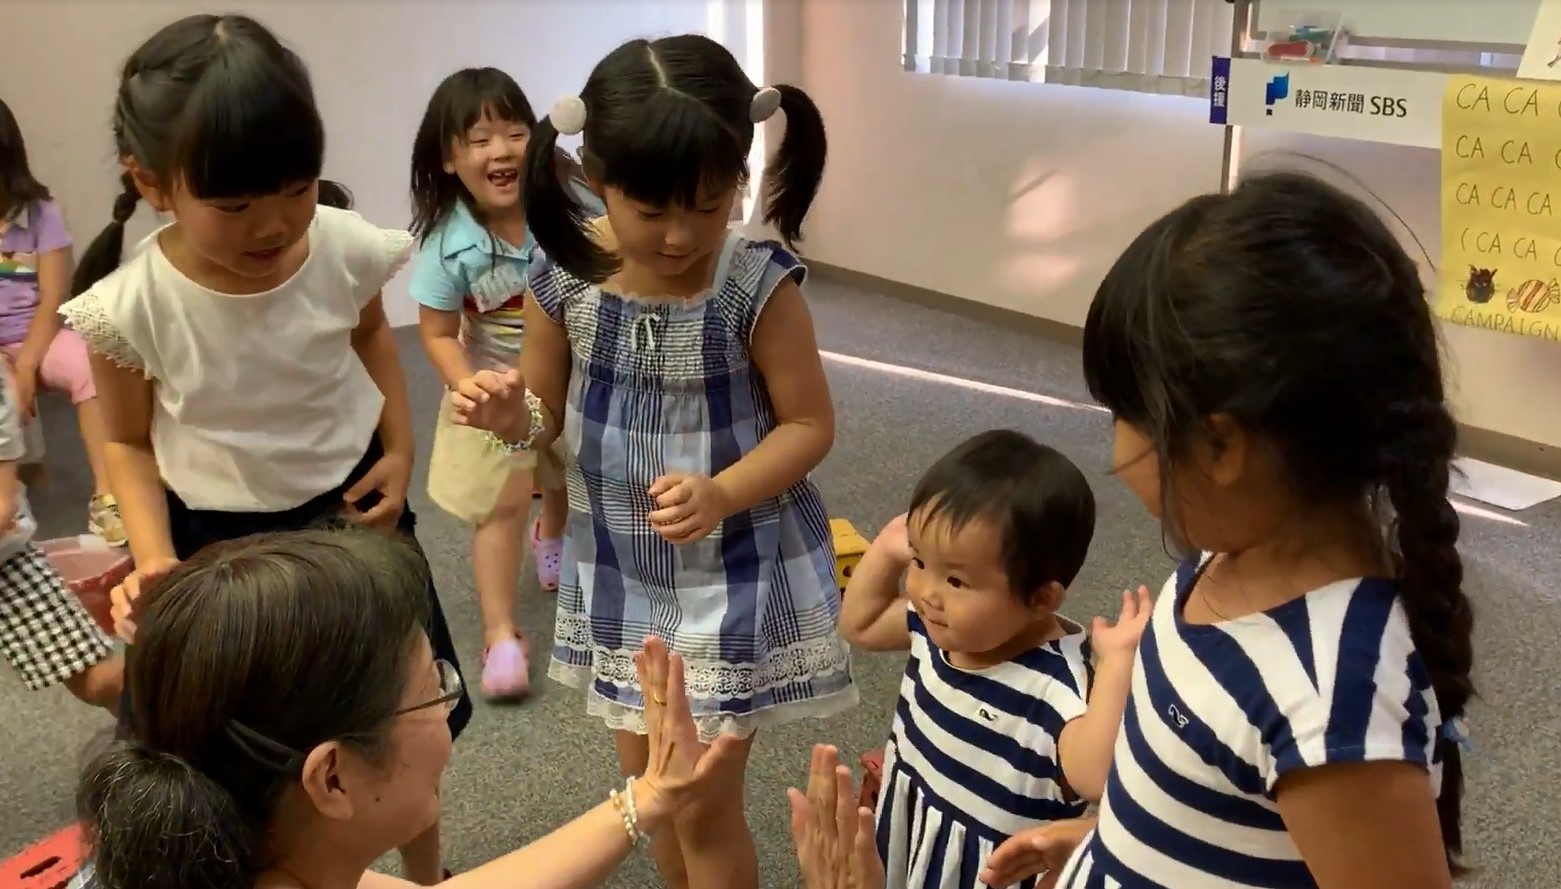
(48, 228)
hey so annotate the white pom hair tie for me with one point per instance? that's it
(765, 103)
(568, 115)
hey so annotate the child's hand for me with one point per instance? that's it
(1122, 639)
(1040, 851)
(388, 478)
(492, 400)
(123, 598)
(690, 507)
(894, 541)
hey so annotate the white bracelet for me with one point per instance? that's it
(538, 418)
(624, 803)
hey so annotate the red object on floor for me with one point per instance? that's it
(872, 779)
(91, 570)
(48, 863)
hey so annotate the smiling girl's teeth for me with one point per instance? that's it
(503, 177)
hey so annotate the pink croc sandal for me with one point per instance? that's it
(506, 670)
(549, 556)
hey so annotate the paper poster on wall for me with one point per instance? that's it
(1542, 55)
(1501, 196)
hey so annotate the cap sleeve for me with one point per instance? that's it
(757, 269)
(48, 227)
(372, 255)
(551, 286)
(1373, 698)
(434, 282)
(91, 315)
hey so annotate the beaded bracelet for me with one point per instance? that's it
(538, 425)
(624, 804)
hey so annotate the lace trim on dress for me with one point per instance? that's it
(88, 317)
(707, 679)
(400, 246)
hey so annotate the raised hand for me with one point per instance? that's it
(679, 765)
(836, 846)
(1121, 638)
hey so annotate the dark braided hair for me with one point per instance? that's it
(1289, 306)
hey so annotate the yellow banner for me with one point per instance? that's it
(1501, 193)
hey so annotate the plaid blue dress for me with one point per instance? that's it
(668, 386)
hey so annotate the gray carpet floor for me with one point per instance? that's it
(519, 772)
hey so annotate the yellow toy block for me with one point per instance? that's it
(850, 546)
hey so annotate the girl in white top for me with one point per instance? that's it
(250, 380)
(1272, 366)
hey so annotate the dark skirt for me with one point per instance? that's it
(194, 529)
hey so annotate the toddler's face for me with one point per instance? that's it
(487, 161)
(957, 584)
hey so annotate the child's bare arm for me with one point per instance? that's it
(440, 332)
(873, 612)
(125, 396)
(1087, 742)
(544, 367)
(786, 355)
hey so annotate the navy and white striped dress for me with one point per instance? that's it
(1219, 713)
(972, 758)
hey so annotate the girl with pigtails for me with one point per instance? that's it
(677, 362)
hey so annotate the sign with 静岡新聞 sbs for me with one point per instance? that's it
(1392, 105)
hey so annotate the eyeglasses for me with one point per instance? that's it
(451, 686)
(283, 758)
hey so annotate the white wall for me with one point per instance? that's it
(1021, 195)
(374, 64)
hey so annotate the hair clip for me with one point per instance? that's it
(568, 115)
(765, 103)
(1453, 730)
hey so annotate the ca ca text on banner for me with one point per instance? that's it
(1501, 195)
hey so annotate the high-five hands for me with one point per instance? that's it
(836, 845)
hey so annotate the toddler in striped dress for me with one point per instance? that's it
(1004, 721)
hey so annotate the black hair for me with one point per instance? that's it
(666, 120)
(458, 104)
(334, 194)
(247, 657)
(1290, 307)
(19, 189)
(213, 104)
(1039, 501)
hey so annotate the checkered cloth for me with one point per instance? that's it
(659, 386)
(45, 632)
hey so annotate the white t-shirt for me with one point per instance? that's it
(260, 403)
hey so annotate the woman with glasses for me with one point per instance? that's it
(290, 730)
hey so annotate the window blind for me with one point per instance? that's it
(1155, 46)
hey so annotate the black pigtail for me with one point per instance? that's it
(792, 180)
(102, 256)
(560, 225)
(1441, 620)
